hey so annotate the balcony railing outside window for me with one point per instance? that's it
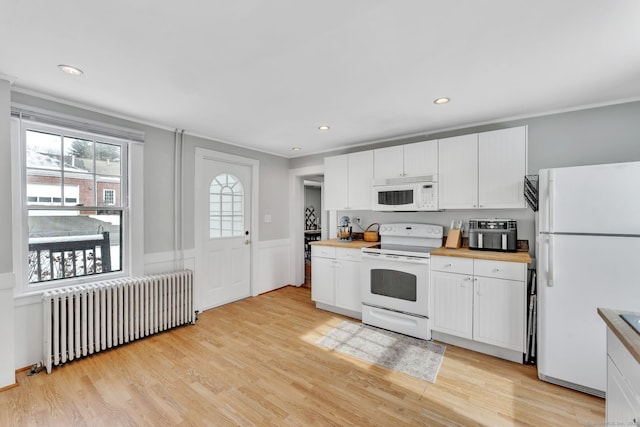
(52, 258)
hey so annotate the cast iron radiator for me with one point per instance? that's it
(85, 319)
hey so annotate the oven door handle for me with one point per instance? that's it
(396, 258)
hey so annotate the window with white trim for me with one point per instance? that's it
(226, 207)
(108, 196)
(74, 187)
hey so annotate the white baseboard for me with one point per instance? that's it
(502, 353)
(338, 310)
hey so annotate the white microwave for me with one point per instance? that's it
(408, 194)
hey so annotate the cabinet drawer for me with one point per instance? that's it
(452, 264)
(323, 251)
(624, 361)
(500, 269)
(348, 254)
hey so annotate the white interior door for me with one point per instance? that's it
(226, 222)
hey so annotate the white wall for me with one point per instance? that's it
(313, 198)
(162, 245)
(7, 279)
(597, 135)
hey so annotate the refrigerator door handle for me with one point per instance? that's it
(549, 260)
(550, 200)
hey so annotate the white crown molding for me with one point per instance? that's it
(37, 94)
(427, 132)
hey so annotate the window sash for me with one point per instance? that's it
(97, 203)
(79, 134)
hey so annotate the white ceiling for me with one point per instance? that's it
(266, 73)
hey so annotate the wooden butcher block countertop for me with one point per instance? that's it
(462, 252)
(489, 255)
(355, 244)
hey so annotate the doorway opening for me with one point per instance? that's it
(312, 220)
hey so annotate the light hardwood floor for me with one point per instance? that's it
(254, 362)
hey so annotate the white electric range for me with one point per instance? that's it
(395, 278)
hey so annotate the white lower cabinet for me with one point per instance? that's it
(322, 279)
(480, 301)
(499, 312)
(452, 297)
(335, 279)
(623, 384)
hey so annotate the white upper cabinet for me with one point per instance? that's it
(388, 163)
(502, 160)
(417, 159)
(483, 170)
(336, 175)
(458, 172)
(421, 158)
(348, 180)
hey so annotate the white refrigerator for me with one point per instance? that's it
(588, 256)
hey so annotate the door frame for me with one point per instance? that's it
(296, 210)
(202, 154)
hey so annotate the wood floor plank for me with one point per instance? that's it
(255, 362)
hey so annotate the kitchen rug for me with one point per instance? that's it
(412, 356)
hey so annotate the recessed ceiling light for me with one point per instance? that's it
(70, 69)
(324, 127)
(296, 148)
(441, 101)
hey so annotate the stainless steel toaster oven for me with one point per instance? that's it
(493, 234)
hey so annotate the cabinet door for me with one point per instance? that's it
(499, 312)
(388, 163)
(348, 294)
(452, 303)
(421, 158)
(622, 405)
(502, 165)
(360, 174)
(458, 172)
(335, 183)
(322, 279)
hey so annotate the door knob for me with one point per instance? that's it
(246, 242)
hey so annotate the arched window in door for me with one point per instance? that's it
(226, 207)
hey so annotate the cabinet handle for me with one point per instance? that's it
(448, 265)
(496, 270)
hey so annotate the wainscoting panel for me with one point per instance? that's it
(273, 266)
